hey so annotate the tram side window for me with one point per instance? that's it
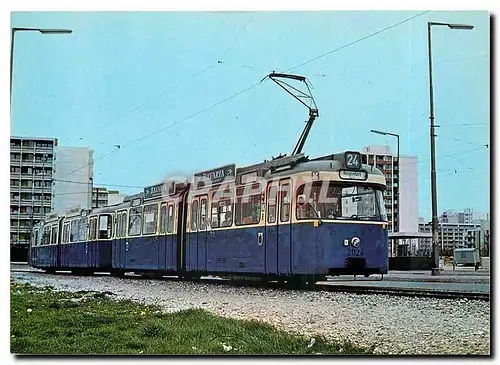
(135, 221)
(285, 203)
(222, 214)
(65, 237)
(118, 225)
(124, 224)
(203, 214)
(105, 226)
(93, 228)
(150, 219)
(163, 218)
(170, 224)
(46, 236)
(73, 237)
(53, 239)
(194, 215)
(271, 204)
(82, 229)
(248, 204)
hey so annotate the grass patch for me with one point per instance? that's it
(44, 321)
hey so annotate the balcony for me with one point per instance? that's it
(15, 148)
(15, 162)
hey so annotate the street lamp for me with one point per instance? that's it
(41, 30)
(435, 248)
(399, 166)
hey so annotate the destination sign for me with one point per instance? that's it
(158, 190)
(353, 175)
(215, 176)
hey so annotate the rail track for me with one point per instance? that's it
(331, 286)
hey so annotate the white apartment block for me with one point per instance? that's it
(73, 176)
(406, 209)
(450, 236)
(102, 197)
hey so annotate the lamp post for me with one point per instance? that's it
(435, 248)
(399, 182)
(40, 30)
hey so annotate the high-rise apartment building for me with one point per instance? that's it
(31, 173)
(102, 197)
(73, 176)
(404, 186)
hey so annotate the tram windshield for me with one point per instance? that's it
(331, 200)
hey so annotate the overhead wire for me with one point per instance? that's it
(247, 89)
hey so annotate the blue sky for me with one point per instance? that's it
(123, 76)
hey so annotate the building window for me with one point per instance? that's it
(150, 219)
(135, 221)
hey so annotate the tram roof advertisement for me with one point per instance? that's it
(215, 176)
(157, 190)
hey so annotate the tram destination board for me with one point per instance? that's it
(157, 190)
(215, 176)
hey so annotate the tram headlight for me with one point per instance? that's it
(355, 242)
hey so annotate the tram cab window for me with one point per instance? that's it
(82, 229)
(35, 237)
(248, 204)
(73, 236)
(163, 219)
(105, 226)
(285, 202)
(194, 215)
(150, 219)
(329, 200)
(170, 222)
(135, 221)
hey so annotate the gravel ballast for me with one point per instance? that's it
(391, 324)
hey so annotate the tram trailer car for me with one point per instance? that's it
(290, 219)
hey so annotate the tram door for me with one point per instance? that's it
(284, 227)
(121, 240)
(271, 236)
(202, 233)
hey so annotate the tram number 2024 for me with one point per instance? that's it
(353, 251)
